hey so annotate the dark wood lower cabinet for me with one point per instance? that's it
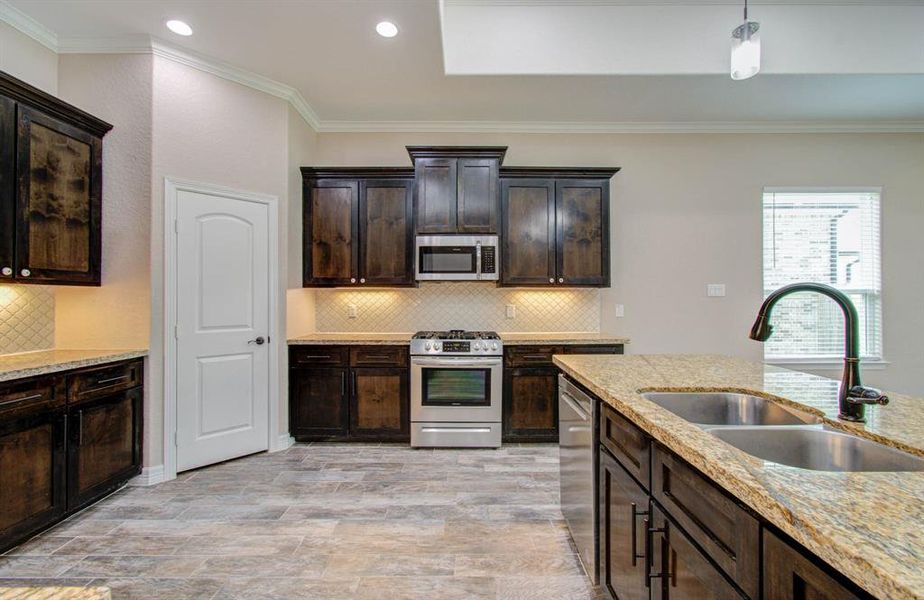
(379, 404)
(679, 570)
(530, 405)
(792, 575)
(318, 404)
(58, 454)
(32, 475)
(104, 448)
(623, 510)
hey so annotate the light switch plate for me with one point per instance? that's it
(352, 313)
(715, 290)
(511, 311)
(619, 310)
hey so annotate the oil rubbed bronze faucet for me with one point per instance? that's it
(853, 396)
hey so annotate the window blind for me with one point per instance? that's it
(822, 237)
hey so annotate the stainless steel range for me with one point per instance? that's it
(456, 387)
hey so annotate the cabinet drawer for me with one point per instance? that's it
(626, 442)
(378, 356)
(789, 575)
(25, 396)
(531, 356)
(592, 349)
(317, 356)
(94, 383)
(727, 533)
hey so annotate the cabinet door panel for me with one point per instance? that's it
(7, 186)
(105, 445)
(385, 232)
(32, 479)
(679, 570)
(60, 211)
(436, 194)
(582, 208)
(318, 404)
(530, 405)
(331, 232)
(623, 523)
(528, 218)
(379, 407)
(477, 195)
(790, 575)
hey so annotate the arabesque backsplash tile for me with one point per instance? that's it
(458, 305)
(27, 318)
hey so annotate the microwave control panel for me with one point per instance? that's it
(489, 259)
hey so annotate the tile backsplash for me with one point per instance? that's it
(458, 305)
(27, 318)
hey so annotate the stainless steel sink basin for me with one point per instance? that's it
(818, 449)
(722, 408)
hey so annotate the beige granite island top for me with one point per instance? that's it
(869, 526)
(43, 362)
(55, 593)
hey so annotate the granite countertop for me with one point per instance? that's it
(55, 593)
(43, 362)
(514, 339)
(865, 525)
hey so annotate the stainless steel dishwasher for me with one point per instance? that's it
(577, 441)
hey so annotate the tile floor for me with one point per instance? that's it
(325, 521)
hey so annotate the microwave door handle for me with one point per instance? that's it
(477, 260)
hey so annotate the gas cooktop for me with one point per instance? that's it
(456, 342)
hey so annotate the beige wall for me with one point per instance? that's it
(26, 59)
(118, 314)
(686, 211)
(302, 150)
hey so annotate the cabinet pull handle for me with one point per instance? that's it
(79, 428)
(535, 357)
(7, 271)
(110, 380)
(649, 535)
(377, 357)
(635, 515)
(23, 399)
(353, 391)
(342, 384)
(317, 356)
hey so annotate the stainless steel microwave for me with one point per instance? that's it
(457, 257)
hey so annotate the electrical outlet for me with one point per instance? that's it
(715, 290)
(619, 310)
(511, 311)
(352, 312)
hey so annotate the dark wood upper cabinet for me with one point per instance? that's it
(386, 217)
(358, 227)
(555, 226)
(457, 188)
(51, 184)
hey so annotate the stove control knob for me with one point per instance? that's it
(494, 346)
(477, 345)
(428, 345)
(437, 346)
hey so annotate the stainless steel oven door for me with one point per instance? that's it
(456, 390)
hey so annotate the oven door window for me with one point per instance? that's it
(448, 259)
(456, 387)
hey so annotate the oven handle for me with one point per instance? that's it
(455, 363)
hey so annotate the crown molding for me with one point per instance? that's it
(17, 19)
(621, 127)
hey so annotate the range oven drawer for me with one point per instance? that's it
(456, 435)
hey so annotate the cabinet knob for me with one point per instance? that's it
(7, 271)
(352, 280)
(363, 280)
(561, 280)
(551, 280)
(25, 272)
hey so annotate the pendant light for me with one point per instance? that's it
(745, 48)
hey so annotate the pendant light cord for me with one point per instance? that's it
(745, 11)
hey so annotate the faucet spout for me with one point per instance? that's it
(852, 397)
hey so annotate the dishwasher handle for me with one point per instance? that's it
(574, 405)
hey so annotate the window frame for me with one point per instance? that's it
(829, 362)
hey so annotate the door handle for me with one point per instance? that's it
(259, 341)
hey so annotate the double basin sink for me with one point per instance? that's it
(774, 433)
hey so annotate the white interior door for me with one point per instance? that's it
(223, 303)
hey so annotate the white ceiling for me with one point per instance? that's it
(354, 79)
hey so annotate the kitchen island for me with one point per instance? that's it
(864, 525)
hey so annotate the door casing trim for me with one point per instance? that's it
(172, 187)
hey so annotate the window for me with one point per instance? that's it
(827, 237)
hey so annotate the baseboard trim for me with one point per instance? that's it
(285, 441)
(149, 476)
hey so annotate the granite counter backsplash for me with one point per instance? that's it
(865, 525)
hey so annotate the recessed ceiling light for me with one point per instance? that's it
(179, 27)
(387, 29)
